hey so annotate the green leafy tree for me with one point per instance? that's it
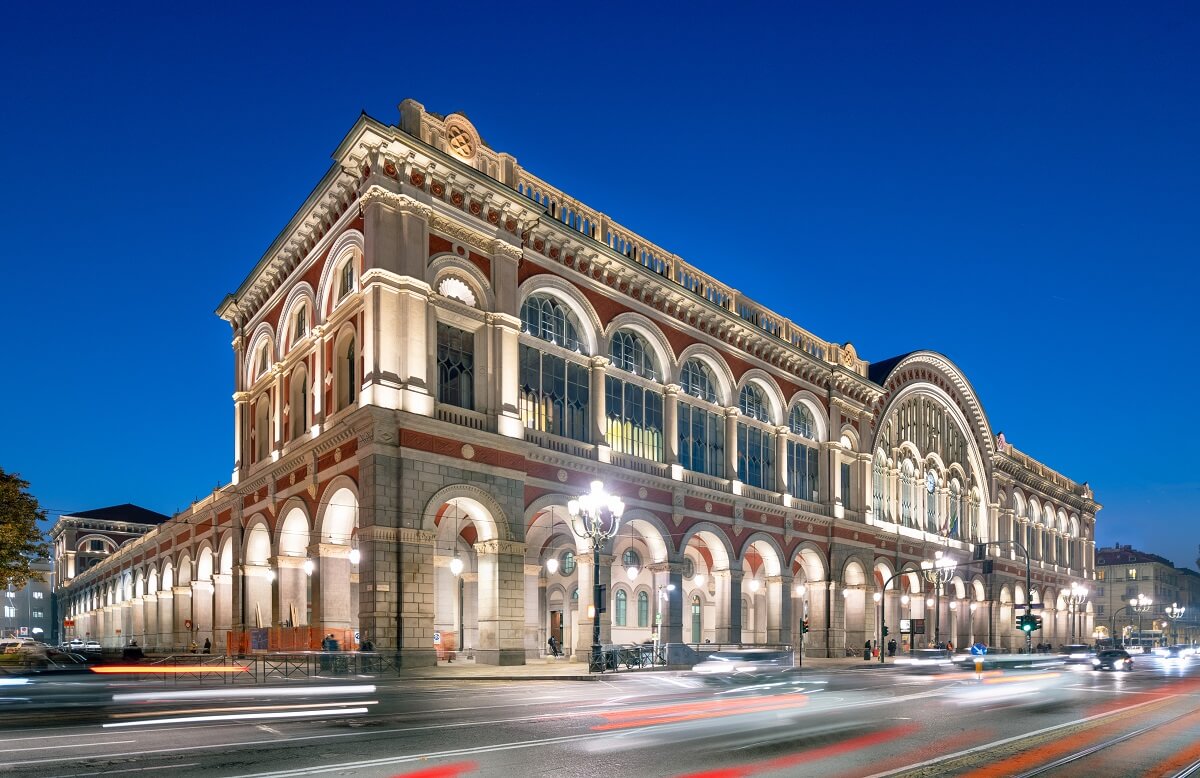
(21, 539)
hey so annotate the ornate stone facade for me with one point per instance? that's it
(441, 350)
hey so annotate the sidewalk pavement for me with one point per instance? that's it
(563, 669)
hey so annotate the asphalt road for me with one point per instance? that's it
(867, 721)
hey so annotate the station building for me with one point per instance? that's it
(441, 349)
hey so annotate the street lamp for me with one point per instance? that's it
(1140, 605)
(596, 516)
(938, 572)
(1075, 597)
(1174, 612)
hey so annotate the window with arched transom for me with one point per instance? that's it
(755, 440)
(954, 528)
(554, 376)
(621, 609)
(701, 422)
(932, 521)
(878, 485)
(803, 465)
(643, 609)
(633, 400)
(908, 485)
(299, 417)
(261, 445)
(696, 623)
(455, 366)
(346, 374)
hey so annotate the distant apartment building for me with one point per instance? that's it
(1124, 573)
(28, 611)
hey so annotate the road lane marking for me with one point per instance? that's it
(132, 770)
(77, 745)
(238, 717)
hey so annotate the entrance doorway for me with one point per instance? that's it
(556, 627)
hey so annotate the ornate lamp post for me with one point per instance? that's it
(1075, 597)
(938, 572)
(1174, 612)
(596, 516)
(1140, 605)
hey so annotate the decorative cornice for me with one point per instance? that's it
(376, 193)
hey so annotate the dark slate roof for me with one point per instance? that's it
(1123, 555)
(128, 513)
(878, 371)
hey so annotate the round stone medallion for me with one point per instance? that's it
(468, 451)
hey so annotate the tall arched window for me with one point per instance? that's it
(346, 279)
(298, 416)
(554, 379)
(262, 428)
(346, 376)
(701, 428)
(953, 526)
(908, 477)
(878, 485)
(755, 440)
(456, 366)
(633, 403)
(696, 634)
(803, 457)
(621, 608)
(299, 324)
(643, 609)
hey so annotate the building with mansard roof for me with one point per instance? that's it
(441, 350)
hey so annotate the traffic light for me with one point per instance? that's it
(1027, 624)
(885, 630)
(804, 626)
(1037, 622)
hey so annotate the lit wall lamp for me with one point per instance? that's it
(309, 567)
(552, 565)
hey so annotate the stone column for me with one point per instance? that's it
(779, 609)
(729, 605)
(534, 592)
(670, 607)
(137, 621)
(819, 638)
(183, 614)
(501, 602)
(318, 379)
(671, 424)
(731, 449)
(331, 586)
(583, 626)
(104, 625)
(781, 463)
(413, 604)
(222, 609)
(202, 611)
(166, 620)
(395, 347)
(599, 369)
(506, 376)
(150, 620)
(125, 621)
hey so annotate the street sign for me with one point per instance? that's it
(437, 637)
(918, 626)
(1033, 606)
(906, 625)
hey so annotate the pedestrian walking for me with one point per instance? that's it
(892, 647)
(553, 643)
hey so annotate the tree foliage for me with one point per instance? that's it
(21, 539)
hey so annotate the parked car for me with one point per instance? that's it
(1113, 659)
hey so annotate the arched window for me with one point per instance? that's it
(262, 428)
(643, 609)
(622, 605)
(689, 568)
(299, 324)
(630, 353)
(696, 618)
(456, 366)
(953, 528)
(546, 318)
(346, 364)
(554, 386)
(803, 464)
(346, 279)
(878, 485)
(567, 563)
(697, 380)
(755, 441)
(633, 406)
(701, 429)
(908, 478)
(264, 361)
(298, 416)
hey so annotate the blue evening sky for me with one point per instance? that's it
(1015, 187)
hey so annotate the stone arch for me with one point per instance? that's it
(653, 531)
(479, 507)
(301, 295)
(664, 355)
(166, 579)
(566, 293)
(816, 408)
(810, 561)
(768, 550)
(337, 514)
(349, 241)
(263, 335)
(183, 568)
(713, 540)
(292, 534)
(256, 546)
(770, 389)
(225, 555)
(204, 562)
(714, 362)
(446, 265)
